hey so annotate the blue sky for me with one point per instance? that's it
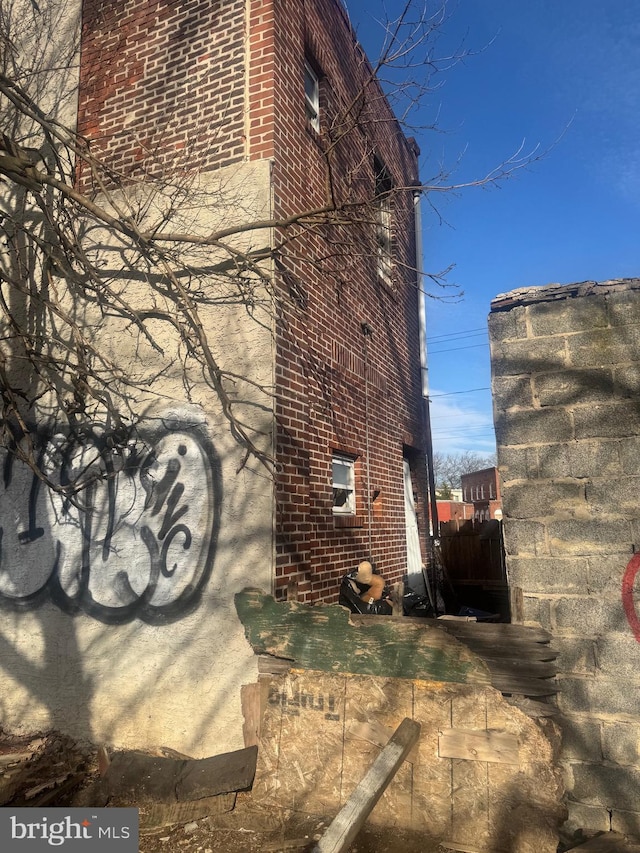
(560, 74)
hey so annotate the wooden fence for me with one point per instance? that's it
(473, 558)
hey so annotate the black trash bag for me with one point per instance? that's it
(414, 604)
(350, 592)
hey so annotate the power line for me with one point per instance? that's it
(452, 393)
(455, 349)
(455, 334)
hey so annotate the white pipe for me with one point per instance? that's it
(422, 306)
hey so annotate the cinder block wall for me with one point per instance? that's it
(566, 386)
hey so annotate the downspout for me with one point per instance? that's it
(432, 516)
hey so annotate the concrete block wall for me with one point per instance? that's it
(566, 377)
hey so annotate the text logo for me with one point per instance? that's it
(35, 830)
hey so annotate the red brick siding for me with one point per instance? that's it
(163, 85)
(324, 403)
(162, 82)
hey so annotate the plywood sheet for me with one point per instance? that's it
(311, 758)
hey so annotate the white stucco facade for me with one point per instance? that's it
(117, 617)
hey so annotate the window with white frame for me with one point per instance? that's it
(312, 96)
(384, 233)
(343, 484)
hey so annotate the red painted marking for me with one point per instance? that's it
(628, 603)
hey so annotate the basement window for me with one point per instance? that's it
(343, 484)
(312, 96)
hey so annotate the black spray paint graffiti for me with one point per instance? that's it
(140, 545)
(291, 704)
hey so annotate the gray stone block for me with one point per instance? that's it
(541, 499)
(614, 420)
(621, 743)
(629, 450)
(576, 655)
(512, 391)
(627, 381)
(525, 358)
(533, 426)
(507, 325)
(588, 819)
(549, 575)
(568, 315)
(580, 459)
(627, 823)
(619, 654)
(589, 616)
(567, 387)
(616, 498)
(612, 787)
(603, 347)
(525, 538)
(605, 573)
(600, 697)
(518, 463)
(580, 739)
(587, 537)
(536, 611)
(624, 307)
(594, 459)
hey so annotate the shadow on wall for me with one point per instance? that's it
(136, 545)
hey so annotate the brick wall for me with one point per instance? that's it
(162, 83)
(566, 382)
(340, 389)
(195, 85)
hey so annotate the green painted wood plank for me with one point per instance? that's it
(322, 638)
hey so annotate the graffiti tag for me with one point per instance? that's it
(138, 543)
(628, 602)
(291, 704)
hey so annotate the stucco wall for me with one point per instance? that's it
(566, 379)
(118, 622)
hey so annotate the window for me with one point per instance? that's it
(344, 497)
(383, 186)
(312, 96)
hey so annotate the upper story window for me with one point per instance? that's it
(312, 96)
(343, 483)
(383, 221)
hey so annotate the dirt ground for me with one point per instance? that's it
(47, 770)
(248, 830)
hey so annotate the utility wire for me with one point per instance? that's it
(455, 334)
(456, 349)
(452, 393)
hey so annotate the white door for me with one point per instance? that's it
(414, 557)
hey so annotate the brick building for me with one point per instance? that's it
(274, 84)
(482, 488)
(210, 114)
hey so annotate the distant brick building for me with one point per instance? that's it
(271, 107)
(482, 488)
(457, 511)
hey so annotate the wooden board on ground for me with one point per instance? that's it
(142, 778)
(156, 815)
(352, 816)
